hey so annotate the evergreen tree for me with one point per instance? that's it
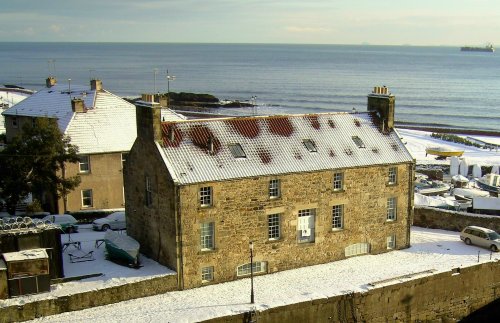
(33, 162)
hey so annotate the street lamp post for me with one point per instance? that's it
(251, 273)
(169, 78)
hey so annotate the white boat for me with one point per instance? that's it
(489, 182)
(431, 187)
(468, 193)
(436, 201)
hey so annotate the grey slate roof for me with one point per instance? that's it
(275, 145)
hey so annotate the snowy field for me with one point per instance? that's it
(431, 250)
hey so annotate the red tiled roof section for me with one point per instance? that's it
(313, 119)
(246, 127)
(264, 155)
(201, 136)
(172, 136)
(280, 125)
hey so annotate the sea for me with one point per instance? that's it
(438, 87)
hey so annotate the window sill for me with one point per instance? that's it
(273, 198)
(306, 244)
(390, 221)
(271, 241)
(84, 173)
(391, 184)
(338, 190)
(337, 229)
(204, 207)
(205, 251)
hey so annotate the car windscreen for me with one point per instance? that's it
(493, 235)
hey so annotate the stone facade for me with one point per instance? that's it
(240, 214)
(167, 218)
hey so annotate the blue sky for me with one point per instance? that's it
(385, 22)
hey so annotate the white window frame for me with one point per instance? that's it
(206, 196)
(305, 225)
(338, 181)
(274, 188)
(361, 248)
(338, 217)
(391, 242)
(393, 175)
(274, 226)
(87, 198)
(392, 209)
(84, 164)
(207, 274)
(207, 236)
(259, 267)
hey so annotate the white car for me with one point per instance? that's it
(114, 221)
(482, 237)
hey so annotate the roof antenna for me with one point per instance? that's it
(90, 74)
(51, 63)
(69, 88)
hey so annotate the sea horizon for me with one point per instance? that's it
(438, 86)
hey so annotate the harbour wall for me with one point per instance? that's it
(428, 217)
(443, 297)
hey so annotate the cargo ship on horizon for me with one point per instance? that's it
(488, 48)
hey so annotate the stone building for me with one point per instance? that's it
(100, 123)
(304, 189)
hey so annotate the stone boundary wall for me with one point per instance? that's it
(84, 300)
(447, 296)
(428, 217)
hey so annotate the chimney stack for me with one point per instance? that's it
(96, 85)
(382, 102)
(77, 105)
(50, 81)
(148, 115)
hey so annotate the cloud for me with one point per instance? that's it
(312, 30)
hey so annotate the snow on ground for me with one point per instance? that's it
(416, 142)
(434, 250)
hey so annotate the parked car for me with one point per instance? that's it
(66, 221)
(482, 237)
(114, 221)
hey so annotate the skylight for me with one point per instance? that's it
(358, 142)
(310, 145)
(237, 151)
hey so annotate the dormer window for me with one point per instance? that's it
(358, 142)
(310, 145)
(237, 151)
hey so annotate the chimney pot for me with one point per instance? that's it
(50, 81)
(96, 85)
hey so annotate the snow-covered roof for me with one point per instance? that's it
(25, 255)
(198, 151)
(108, 123)
(8, 98)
